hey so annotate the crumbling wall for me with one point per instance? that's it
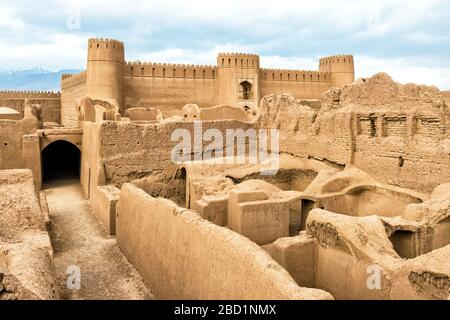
(425, 277)
(303, 133)
(153, 233)
(258, 211)
(165, 185)
(119, 152)
(222, 112)
(352, 258)
(350, 250)
(26, 272)
(11, 144)
(49, 103)
(26, 255)
(398, 133)
(367, 200)
(298, 255)
(426, 226)
(446, 95)
(20, 207)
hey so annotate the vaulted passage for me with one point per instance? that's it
(60, 161)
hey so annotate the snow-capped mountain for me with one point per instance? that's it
(32, 79)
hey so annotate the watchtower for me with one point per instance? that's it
(105, 70)
(238, 76)
(341, 67)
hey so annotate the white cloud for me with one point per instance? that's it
(62, 52)
(404, 70)
(189, 56)
(277, 30)
(294, 63)
(9, 21)
(427, 38)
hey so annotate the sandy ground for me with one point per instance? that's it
(79, 240)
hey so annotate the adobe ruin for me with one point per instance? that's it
(357, 208)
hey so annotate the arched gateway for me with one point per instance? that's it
(60, 161)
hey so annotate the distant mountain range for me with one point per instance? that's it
(38, 79)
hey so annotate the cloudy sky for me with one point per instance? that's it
(409, 39)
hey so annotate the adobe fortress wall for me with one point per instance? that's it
(299, 83)
(50, 103)
(397, 133)
(13, 153)
(73, 88)
(119, 152)
(169, 86)
(334, 71)
(236, 80)
(153, 233)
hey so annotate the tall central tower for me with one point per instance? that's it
(341, 67)
(239, 83)
(105, 70)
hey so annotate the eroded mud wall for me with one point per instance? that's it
(183, 256)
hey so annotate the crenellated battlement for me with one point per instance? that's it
(17, 94)
(336, 57)
(294, 75)
(105, 49)
(169, 70)
(105, 40)
(241, 60)
(237, 79)
(339, 58)
(73, 80)
(238, 55)
(341, 67)
(64, 76)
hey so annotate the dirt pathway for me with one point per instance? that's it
(79, 240)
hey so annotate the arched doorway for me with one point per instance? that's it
(246, 88)
(60, 161)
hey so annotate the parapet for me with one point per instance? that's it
(295, 75)
(342, 69)
(105, 41)
(337, 63)
(15, 94)
(241, 60)
(70, 80)
(338, 58)
(169, 70)
(106, 49)
(66, 75)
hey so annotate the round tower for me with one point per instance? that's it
(341, 67)
(238, 80)
(106, 58)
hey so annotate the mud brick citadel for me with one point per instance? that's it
(359, 207)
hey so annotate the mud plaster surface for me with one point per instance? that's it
(78, 239)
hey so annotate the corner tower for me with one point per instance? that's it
(105, 70)
(341, 67)
(239, 83)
